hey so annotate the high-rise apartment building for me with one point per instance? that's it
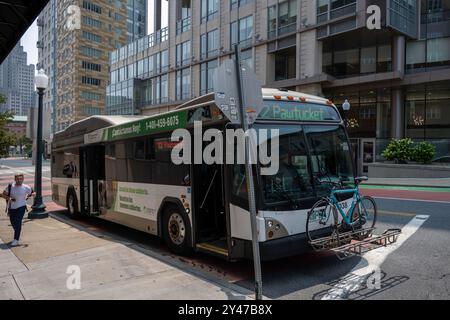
(76, 57)
(47, 55)
(17, 82)
(397, 78)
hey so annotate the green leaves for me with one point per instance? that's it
(2, 99)
(6, 138)
(399, 150)
(424, 153)
(404, 150)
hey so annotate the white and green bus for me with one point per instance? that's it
(120, 169)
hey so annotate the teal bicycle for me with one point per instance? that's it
(337, 219)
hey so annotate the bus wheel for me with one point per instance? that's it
(72, 205)
(176, 230)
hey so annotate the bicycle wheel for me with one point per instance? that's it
(367, 209)
(321, 223)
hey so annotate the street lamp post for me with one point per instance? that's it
(38, 208)
(346, 107)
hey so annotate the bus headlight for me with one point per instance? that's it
(270, 223)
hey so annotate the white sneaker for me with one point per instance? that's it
(14, 243)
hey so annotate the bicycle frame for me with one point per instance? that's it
(355, 200)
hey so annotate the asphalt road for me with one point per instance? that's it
(416, 268)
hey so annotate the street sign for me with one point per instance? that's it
(227, 95)
(252, 94)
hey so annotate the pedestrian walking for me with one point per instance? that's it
(16, 195)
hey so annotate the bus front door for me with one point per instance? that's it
(92, 174)
(210, 216)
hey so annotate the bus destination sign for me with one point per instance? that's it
(296, 111)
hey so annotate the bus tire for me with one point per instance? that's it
(72, 205)
(176, 230)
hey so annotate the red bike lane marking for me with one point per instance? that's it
(407, 194)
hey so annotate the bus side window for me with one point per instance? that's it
(139, 150)
(150, 151)
(110, 150)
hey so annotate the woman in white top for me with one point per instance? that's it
(16, 195)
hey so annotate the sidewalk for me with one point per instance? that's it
(408, 182)
(110, 269)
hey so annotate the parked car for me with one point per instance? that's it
(442, 160)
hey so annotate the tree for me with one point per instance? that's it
(2, 99)
(6, 138)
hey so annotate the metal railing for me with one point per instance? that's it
(342, 11)
(183, 25)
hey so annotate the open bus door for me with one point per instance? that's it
(211, 222)
(92, 173)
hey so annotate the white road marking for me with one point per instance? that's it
(416, 200)
(371, 262)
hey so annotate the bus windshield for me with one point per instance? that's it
(307, 152)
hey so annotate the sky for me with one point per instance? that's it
(30, 38)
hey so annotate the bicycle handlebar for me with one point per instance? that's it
(339, 184)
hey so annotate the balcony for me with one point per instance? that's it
(39, 45)
(162, 35)
(183, 25)
(39, 22)
(282, 30)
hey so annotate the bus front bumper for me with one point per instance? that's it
(273, 249)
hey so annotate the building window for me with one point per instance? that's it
(91, 36)
(118, 17)
(162, 61)
(89, 110)
(183, 15)
(348, 62)
(247, 58)
(426, 111)
(183, 54)
(91, 22)
(370, 115)
(285, 64)
(92, 7)
(88, 95)
(209, 10)
(91, 81)
(242, 31)
(183, 84)
(207, 76)
(91, 52)
(91, 66)
(238, 3)
(282, 18)
(403, 16)
(427, 54)
(209, 44)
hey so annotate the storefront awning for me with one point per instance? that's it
(16, 16)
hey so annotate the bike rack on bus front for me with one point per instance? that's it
(360, 242)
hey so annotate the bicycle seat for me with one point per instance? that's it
(361, 179)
